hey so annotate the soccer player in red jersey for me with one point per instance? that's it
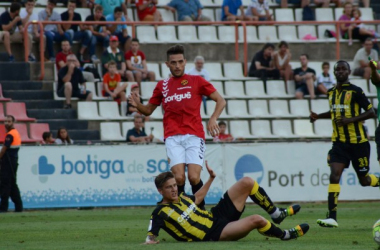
(181, 98)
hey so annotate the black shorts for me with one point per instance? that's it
(224, 212)
(75, 93)
(377, 140)
(345, 153)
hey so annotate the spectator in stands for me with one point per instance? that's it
(304, 78)
(10, 20)
(53, 32)
(82, 35)
(366, 3)
(325, 81)
(223, 136)
(110, 5)
(361, 67)
(61, 60)
(137, 134)
(188, 10)
(119, 30)
(71, 82)
(147, 11)
(262, 65)
(47, 138)
(100, 34)
(259, 10)
(136, 62)
(79, 3)
(113, 53)
(357, 32)
(132, 110)
(63, 137)
(27, 15)
(198, 70)
(230, 11)
(281, 60)
(284, 3)
(112, 83)
(356, 16)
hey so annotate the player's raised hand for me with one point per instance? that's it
(213, 127)
(134, 99)
(210, 171)
(313, 116)
(373, 64)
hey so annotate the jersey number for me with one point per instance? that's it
(363, 162)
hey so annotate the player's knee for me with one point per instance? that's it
(180, 179)
(194, 180)
(248, 182)
(257, 221)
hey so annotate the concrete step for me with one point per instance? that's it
(16, 71)
(69, 124)
(89, 135)
(21, 85)
(43, 104)
(29, 94)
(52, 113)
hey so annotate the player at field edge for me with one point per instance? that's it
(375, 79)
(350, 143)
(181, 97)
(178, 214)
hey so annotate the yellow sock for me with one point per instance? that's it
(334, 188)
(255, 188)
(265, 228)
(374, 180)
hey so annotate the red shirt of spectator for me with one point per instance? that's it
(111, 81)
(136, 59)
(147, 11)
(181, 99)
(61, 57)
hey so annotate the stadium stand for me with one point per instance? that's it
(37, 129)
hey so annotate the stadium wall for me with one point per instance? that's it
(122, 175)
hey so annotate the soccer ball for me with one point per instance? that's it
(376, 232)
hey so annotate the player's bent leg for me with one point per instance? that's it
(239, 229)
(240, 191)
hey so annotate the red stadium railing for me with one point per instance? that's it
(236, 24)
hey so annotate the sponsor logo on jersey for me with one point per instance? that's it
(186, 214)
(177, 97)
(184, 82)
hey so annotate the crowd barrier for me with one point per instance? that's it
(123, 175)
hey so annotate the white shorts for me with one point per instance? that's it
(188, 149)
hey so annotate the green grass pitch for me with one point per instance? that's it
(125, 228)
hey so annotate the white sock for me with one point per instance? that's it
(287, 234)
(276, 213)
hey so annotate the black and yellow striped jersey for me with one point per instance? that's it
(183, 220)
(348, 102)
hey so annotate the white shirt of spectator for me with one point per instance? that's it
(42, 15)
(203, 73)
(260, 7)
(32, 17)
(327, 81)
(361, 55)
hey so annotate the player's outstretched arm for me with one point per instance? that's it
(314, 116)
(147, 110)
(201, 194)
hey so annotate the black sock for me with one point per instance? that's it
(334, 190)
(181, 189)
(195, 189)
(271, 230)
(262, 199)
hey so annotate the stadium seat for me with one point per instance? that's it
(282, 129)
(251, 34)
(91, 87)
(207, 134)
(167, 15)
(131, 16)
(287, 33)
(110, 131)
(166, 34)
(303, 128)
(324, 14)
(276, 88)
(210, 105)
(88, 111)
(3, 133)
(299, 108)
(37, 129)
(84, 12)
(155, 68)
(279, 108)
(187, 34)
(267, 33)
(226, 34)
(158, 129)
(56, 97)
(261, 129)
(147, 89)
(163, 2)
(323, 128)
(234, 71)
(157, 114)
(246, 2)
(238, 109)
(165, 72)
(203, 113)
(207, 34)
(284, 15)
(40, 3)
(218, 13)
(298, 14)
(255, 89)
(234, 89)
(371, 127)
(367, 15)
(219, 87)
(215, 70)
(2, 114)
(304, 30)
(125, 126)
(320, 105)
(18, 110)
(317, 66)
(2, 98)
(258, 108)
(60, 10)
(22, 129)
(109, 110)
(209, 13)
(322, 29)
(291, 87)
(240, 129)
(146, 34)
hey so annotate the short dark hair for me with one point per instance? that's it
(117, 9)
(138, 117)
(98, 7)
(72, 1)
(282, 43)
(306, 55)
(46, 135)
(53, 1)
(342, 61)
(12, 117)
(65, 40)
(30, 1)
(325, 64)
(368, 39)
(112, 62)
(135, 40)
(175, 50)
(160, 179)
(222, 123)
(14, 7)
(268, 45)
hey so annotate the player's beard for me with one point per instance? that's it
(179, 74)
